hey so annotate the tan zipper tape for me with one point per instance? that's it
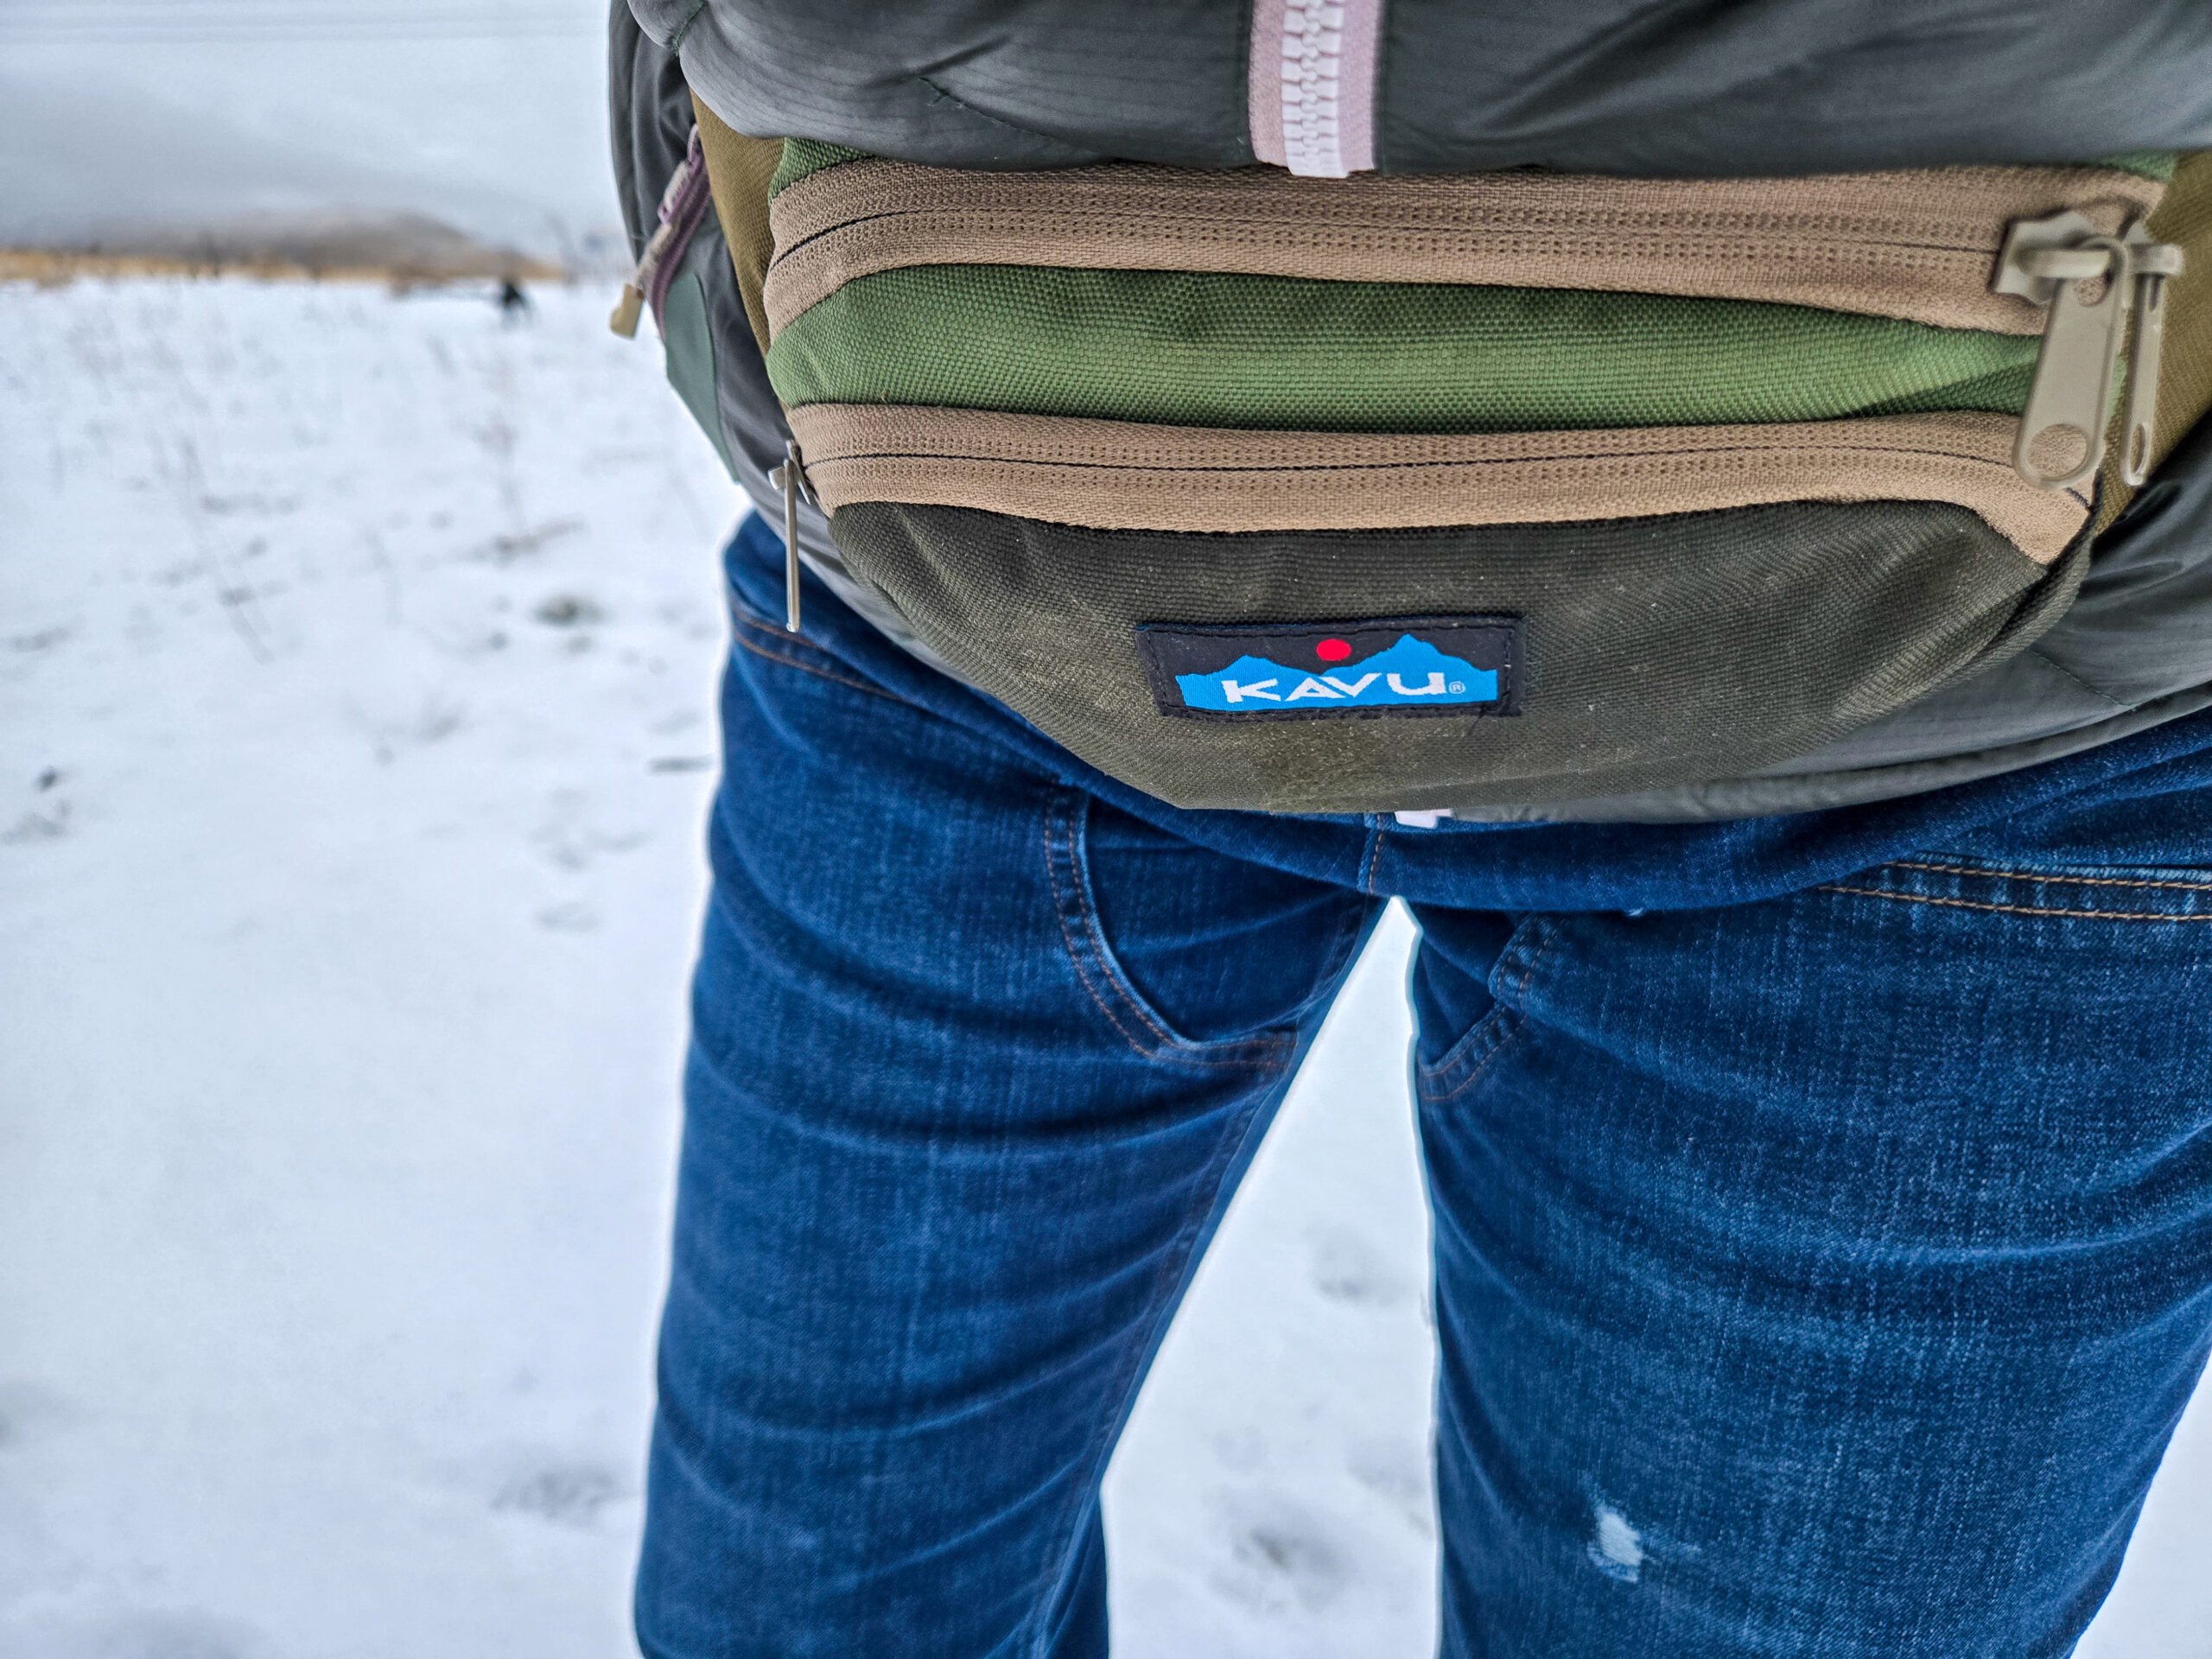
(1128, 475)
(1916, 246)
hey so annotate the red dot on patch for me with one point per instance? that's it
(1332, 650)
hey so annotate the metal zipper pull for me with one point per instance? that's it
(2065, 263)
(2150, 263)
(791, 479)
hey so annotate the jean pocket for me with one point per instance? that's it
(1470, 1055)
(1138, 1017)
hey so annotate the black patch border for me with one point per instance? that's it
(1168, 696)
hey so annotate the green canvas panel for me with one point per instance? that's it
(2148, 163)
(805, 155)
(1658, 652)
(688, 342)
(1201, 349)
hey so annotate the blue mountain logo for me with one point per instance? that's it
(1410, 674)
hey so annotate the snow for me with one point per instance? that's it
(356, 658)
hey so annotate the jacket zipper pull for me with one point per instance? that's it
(791, 479)
(674, 225)
(632, 305)
(2150, 264)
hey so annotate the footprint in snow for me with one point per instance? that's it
(29, 1410)
(1347, 1269)
(1397, 1471)
(567, 1494)
(1280, 1559)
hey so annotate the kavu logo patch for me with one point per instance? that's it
(1298, 670)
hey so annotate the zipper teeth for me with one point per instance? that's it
(1964, 206)
(1844, 236)
(686, 210)
(683, 202)
(1313, 39)
(1324, 73)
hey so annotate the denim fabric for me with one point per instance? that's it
(1823, 1206)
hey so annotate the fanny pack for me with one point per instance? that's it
(1390, 493)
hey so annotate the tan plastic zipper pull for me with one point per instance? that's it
(791, 479)
(2149, 264)
(2065, 263)
(2092, 283)
(672, 227)
(627, 310)
(632, 305)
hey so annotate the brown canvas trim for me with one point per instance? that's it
(1916, 245)
(1128, 475)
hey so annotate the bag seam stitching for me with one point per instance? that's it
(2038, 652)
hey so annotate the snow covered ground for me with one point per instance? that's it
(355, 663)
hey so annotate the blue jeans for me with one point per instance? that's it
(1820, 1272)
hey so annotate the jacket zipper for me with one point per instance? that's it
(2091, 283)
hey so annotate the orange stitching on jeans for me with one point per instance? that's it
(1069, 826)
(1530, 964)
(744, 644)
(1464, 1049)
(1468, 1044)
(1365, 879)
(1511, 1023)
(2015, 909)
(1075, 956)
(1268, 1050)
(2037, 875)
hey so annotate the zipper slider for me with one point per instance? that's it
(791, 479)
(2066, 263)
(2092, 283)
(2152, 264)
(679, 204)
(632, 305)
